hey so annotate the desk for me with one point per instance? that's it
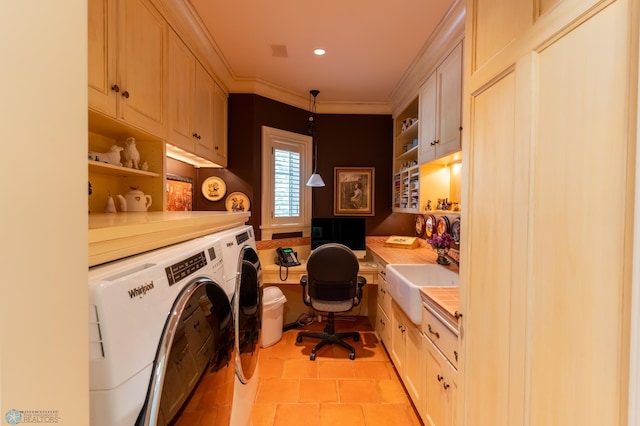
(271, 273)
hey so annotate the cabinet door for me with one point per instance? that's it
(204, 112)
(182, 65)
(220, 124)
(141, 61)
(398, 329)
(427, 110)
(434, 405)
(449, 103)
(413, 365)
(101, 52)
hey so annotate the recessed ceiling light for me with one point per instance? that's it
(319, 52)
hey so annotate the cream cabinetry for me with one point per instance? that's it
(440, 387)
(406, 353)
(382, 321)
(406, 174)
(540, 88)
(197, 105)
(440, 111)
(127, 58)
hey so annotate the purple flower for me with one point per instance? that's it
(440, 241)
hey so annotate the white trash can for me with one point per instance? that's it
(272, 311)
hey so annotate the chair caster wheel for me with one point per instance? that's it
(312, 357)
(352, 356)
(356, 337)
(299, 339)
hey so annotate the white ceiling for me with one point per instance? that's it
(370, 44)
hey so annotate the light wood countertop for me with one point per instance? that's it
(117, 235)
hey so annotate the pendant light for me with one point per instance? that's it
(315, 180)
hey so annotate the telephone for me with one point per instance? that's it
(286, 257)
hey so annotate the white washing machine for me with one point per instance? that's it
(157, 321)
(243, 278)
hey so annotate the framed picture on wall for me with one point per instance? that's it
(353, 193)
(179, 193)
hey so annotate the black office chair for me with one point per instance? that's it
(332, 285)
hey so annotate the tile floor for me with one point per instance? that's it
(331, 390)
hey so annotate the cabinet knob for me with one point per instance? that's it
(446, 385)
(197, 136)
(382, 321)
(125, 94)
(115, 88)
(457, 314)
(435, 333)
(440, 378)
(215, 147)
(455, 354)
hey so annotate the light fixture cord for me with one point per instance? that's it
(313, 129)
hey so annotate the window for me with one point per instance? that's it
(286, 201)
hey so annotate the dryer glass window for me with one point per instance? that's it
(248, 312)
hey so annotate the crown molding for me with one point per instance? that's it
(185, 22)
(446, 36)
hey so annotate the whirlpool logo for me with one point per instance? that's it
(141, 291)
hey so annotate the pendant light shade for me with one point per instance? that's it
(315, 180)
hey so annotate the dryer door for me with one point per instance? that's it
(199, 333)
(248, 313)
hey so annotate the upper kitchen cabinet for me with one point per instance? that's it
(197, 105)
(440, 109)
(127, 57)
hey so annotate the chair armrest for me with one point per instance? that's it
(305, 294)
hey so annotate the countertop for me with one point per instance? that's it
(445, 300)
(442, 299)
(116, 235)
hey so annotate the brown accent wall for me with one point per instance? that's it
(343, 141)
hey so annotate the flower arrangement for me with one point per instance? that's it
(440, 241)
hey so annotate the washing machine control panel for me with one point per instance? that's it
(184, 268)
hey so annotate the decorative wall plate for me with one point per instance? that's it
(430, 226)
(455, 231)
(420, 225)
(443, 226)
(237, 202)
(214, 188)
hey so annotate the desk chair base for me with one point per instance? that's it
(329, 336)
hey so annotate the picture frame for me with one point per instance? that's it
(179, 191)
(354, 191)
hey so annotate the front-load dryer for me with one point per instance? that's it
(243, 276)
(157, 321)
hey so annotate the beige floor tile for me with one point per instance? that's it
(318, 390)
(263, 414)
(297, 414)
(300, 369)
(372, 370)
(391, 391)
(331, 391)
(341, 414)
(335, 369)
(278, 390)
(358, 391)
(389, 414)
(271, 367)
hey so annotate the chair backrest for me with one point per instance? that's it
(332, 273)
